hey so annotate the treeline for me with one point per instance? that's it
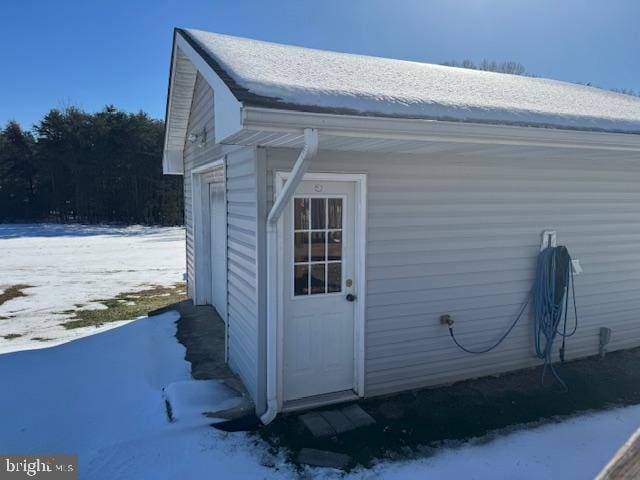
(516, 68)
(75, 166)
(508, 66)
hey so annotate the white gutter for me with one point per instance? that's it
(309, 151)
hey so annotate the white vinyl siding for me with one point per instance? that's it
(242, 225)
(459, 234)
(200, 117)
(242, 231)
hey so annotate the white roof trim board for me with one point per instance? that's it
(294, 78)
(181, 82)
(186, 63)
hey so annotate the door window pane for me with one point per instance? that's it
(334, 245)
(334, 213)
(301, 280)
(334, 277)
(318, 213)
(317, 245)
(301, 247)
(318, 241)
(301, 213)
(317, 278)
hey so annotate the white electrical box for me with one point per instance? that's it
(549, 239)
(576, 267)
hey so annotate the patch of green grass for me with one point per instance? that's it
(127, 306)
(11, 336)
(41, 339)
(13, 291)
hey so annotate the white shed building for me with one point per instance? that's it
(337, 205)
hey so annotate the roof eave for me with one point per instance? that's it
(240, 114)
(364, 126)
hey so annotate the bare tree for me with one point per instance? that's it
(513, 68)
(488, 65)
(516, 68)
(468, 64)
(508, 66)
(626, 91)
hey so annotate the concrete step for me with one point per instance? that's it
(334, 422)
(323, 458)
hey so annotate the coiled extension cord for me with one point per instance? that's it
(549, 297)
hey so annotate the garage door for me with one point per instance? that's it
(218, 247)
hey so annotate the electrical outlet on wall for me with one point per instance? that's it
(575, 265)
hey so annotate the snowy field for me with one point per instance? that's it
(103, 396)
(71, 265)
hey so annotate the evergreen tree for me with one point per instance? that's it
(17, 173)
(102, 167)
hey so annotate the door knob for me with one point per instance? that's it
(351, 297)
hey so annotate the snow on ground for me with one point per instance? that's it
(102, 397)
(577, 448)
(71, 265)
(304, 77)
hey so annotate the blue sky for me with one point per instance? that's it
(91, 53)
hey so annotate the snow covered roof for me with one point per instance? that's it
(288, 77)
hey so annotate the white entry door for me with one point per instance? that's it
(218, 247)
(319, 289)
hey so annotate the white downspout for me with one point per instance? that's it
(309, 151)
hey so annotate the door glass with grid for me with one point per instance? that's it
(318, 261)
(317, 238)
